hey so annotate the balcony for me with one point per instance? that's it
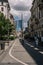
(40, 5)
(36, 21)
(32, 27)
(31, 19)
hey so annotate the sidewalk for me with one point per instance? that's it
(1, 51)
(21, 54)
(5, 52)
(6, 47)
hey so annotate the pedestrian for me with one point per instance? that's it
(36, 42)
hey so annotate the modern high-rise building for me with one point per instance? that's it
(18, 25)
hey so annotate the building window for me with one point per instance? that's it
(2, 9)
(42, 12)
(2, 3)
(42, 33)
(42, 0)
(42, 25)
(39, 15)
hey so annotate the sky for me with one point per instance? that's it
(19, 7)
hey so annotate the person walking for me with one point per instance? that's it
(36, 41)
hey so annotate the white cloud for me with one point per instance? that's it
(14, 12)
(20, 2)
(21, 5)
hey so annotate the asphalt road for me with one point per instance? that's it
(21, 54)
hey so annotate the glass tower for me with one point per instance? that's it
(19, 25)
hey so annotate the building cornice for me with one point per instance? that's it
(3, 0)
(33, 1)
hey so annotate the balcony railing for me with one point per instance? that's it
(36, 21)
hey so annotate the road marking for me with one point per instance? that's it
(34, 47)
(15, 57)
(29, 45)
(41, 52)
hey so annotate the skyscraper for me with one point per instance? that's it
(18, 25)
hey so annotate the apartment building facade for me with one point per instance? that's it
(4, 7)
(37, 18)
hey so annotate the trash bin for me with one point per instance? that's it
(2, 46)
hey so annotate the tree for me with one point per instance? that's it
(9, 27)
(2, 20)
(5, 26)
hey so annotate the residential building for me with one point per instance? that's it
(41, 17)
(11, 18)
(37, 18)
(4, 7)
(30, 27)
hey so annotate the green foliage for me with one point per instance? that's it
(4, 37)
(5, 26)
(11, 37)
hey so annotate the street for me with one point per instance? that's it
(21, 32)
(22, 54)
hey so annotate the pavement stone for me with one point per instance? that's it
(20, 53)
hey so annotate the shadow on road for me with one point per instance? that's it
(35, 54)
